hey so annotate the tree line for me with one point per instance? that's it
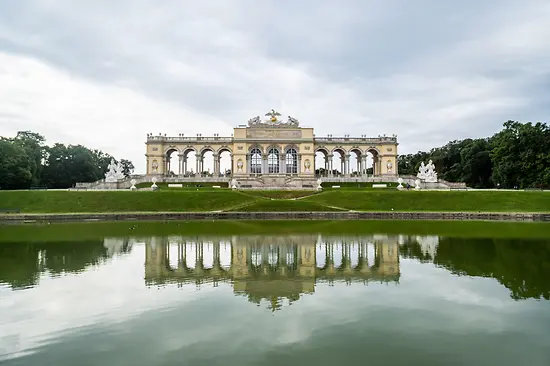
(27, 162)
(516, 157)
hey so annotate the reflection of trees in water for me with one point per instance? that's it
(521, 265)
(22, 263)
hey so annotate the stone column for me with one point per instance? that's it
(329, 158)
(180, 166)
(299, 164)
(347, 167)
(216, 158)
(232, 164)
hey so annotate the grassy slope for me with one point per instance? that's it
(489, 201)
(93, 230)
(227, 200)
(121, 201)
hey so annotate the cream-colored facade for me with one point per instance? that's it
(273, 147)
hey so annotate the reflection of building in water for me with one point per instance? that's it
(271, 268)
(117, 245)
(428, 245)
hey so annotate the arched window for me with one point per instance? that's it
(291, 161)
(273, 160)
(256, 161)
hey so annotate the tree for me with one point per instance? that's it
(477, 167)
(521, 155)
(33, 143)
(15, 166)
(127, 167)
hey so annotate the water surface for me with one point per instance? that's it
(275, 299)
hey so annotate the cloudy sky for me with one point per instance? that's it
(104, 73)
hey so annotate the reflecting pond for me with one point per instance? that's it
(275, 299)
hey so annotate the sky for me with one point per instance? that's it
(104, 74)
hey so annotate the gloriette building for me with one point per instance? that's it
(274, 152)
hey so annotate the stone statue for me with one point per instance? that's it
(254, 121)
(319, 184)
(307, 165)
(154, 185)
(233, 183)
(119, 171)
(133, 183)
(421, 171)
(273, 115)
(292, 121)
(389, 166)
(114, 172)
(400, 181)
(431, 174)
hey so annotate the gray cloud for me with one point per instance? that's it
(429, 71)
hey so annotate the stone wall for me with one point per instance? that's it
(282, 182)
(458, 216)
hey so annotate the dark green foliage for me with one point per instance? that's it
(26, 162)
(516, 157)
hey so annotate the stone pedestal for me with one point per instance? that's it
(277, 182)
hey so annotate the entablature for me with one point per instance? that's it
(356, 140)
(187, 139)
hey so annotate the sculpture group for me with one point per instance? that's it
(114, 172)
(273, 120)
(427, 172)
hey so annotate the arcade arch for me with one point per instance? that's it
(372, 162)
(224, 162)
(339, 161)
(171, 161)
(273, 161)
(355, 162)
(256, 160)
(291, 160)
(322, 162)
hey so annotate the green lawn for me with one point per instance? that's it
(182, 200)
(121, 201)
(62, 232)
(268, 205)
(280, 194)
(490, 201)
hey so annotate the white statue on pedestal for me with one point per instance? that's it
(431, 174)
(417, 184)
(319, 184)
(114, 172)
(133, 183)
(421, 171)
(233, 183)
(154, 181)
(427, 172)
(119, 171)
